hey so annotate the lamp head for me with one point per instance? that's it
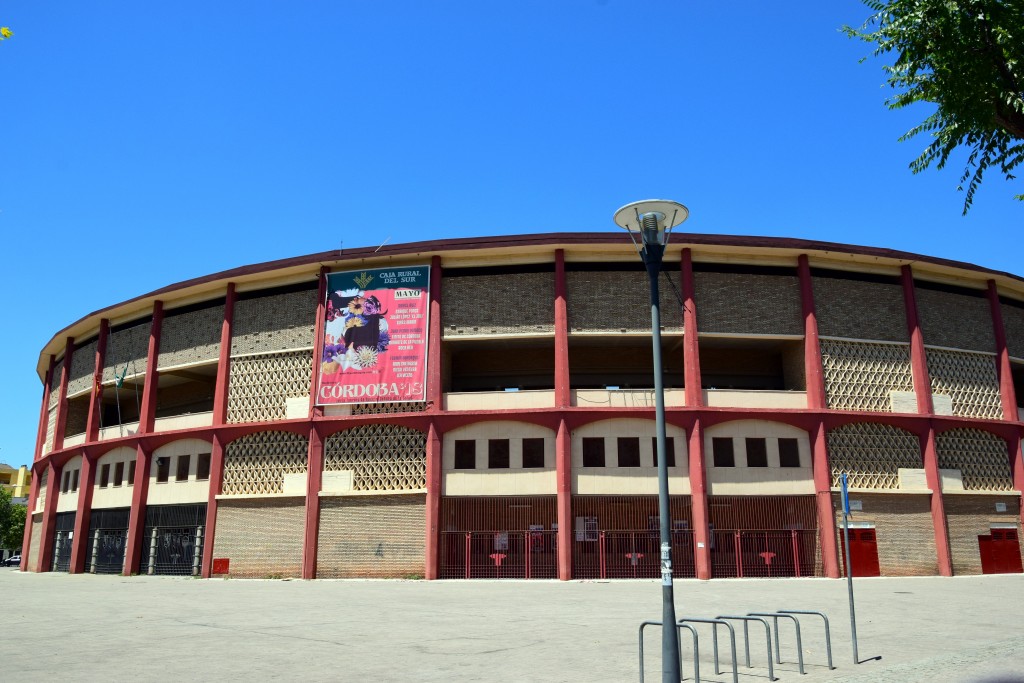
(651, 219)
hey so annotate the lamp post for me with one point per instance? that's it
(649, 223)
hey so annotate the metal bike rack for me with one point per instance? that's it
(799, 644)
(696, 649)
(746, 639)
(714, 631)
(828, 638)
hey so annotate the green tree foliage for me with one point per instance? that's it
(966, 57)
(5, 33)
(12, 522)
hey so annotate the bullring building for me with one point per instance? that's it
(483, 408)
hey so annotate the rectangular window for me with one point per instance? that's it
(722, 452)
(104, 476)
(497, 454)
(184, 462)
(593, 452)
(163, 469)
(629, 451)
(74, 480)
(757, 453)
(789, 453)
(670, 450)
(65, 482)
(203, 467)
(465, 454)
(118, 473)
(533, 453)
(131, 472)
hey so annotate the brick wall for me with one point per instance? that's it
(191, 337)
(748, 303)
(274, 323)
(262, 537)
(620, 301)
(514, 303)
(968, 517)
(958, 321)
(83, 363)
(374, 537)
(127, 347)
(857, 309)
(903, 527)
(78, 414)
(33, 544)
(1013, 324)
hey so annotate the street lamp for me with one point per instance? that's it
(649, 223)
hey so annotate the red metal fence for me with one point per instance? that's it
(630, 555)
(498, 555)
(763, 553)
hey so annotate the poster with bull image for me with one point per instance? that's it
(375, 336)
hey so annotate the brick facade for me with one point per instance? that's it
(191, 337)
(127, 348)
(970, 516)
(514, 303)
(33, 546)
(83, 364)
(619, 301)
(1013, 323)
(277, 322)
(956, 321)
(261, 537)
(374, 537)
(748, 303)
(857, 309)
(903, 527)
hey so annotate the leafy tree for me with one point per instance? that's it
(5, 33)
(967, 57)
(12, 522)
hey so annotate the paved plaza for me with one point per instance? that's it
(162, 628)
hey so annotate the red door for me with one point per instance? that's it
(863, 553)
(1000, 552)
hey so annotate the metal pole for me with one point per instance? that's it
(849, 568)
(670, 669)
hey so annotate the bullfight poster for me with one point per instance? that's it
(375, 336)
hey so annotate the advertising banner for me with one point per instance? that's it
(375, 336)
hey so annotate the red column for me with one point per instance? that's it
(149, 389)
(918, 358)
(45, 559)
(433, 514)
(435, 397)
(62, 400)
(314, 475)
(691, 347)
(92, 424)
(934, 479)
(823, 500)
(216, 480)
(1003, 370)
(563, 477)
(137, 516)
(699, 501)
(563, 388)
(44, 412)
(80, 540)
(1016, 449)
(220, 392)
(815, 378)
(318, 341)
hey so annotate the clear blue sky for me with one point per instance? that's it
(145, 143)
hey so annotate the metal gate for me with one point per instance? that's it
(630, 554)
(1000, 552)
(108, 538)
(738, 553)
(62, 539)
(531, 554)
(863, 552)
(172, 542)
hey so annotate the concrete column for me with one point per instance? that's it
(813, 372)
(44, 413)
(1016, 449)
(318, 343)
(314, 476)
(563, 478)
(691, 347)
(699, 501)
(44, 561)
(435, 395)
(220, 393)
(563, 388)
(823, 500)
(147, 412)
(134, 548)
(82, 515)
(918, 358)
(216, 482)
(433, 512)
(1004, 371)
(934, 479)
(92, 424)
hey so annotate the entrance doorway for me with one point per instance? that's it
(863, 552)
(1000, 552)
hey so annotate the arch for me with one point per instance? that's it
(376, 457)
(259, 463)
(980, 456)
(871, 454)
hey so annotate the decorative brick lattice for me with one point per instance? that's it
(748, 303)
(871, 455)
(127, 348)
(257, 463)
(856, 309)
(619, 301)
(969, 379)
(83, 363)
(957, 321)
(382, 457)
(54, 395)
(981, 457)
(861, 375)
(259, 386)
(51, 427)
(389, 408)
(278, 322)
(512, 303)
(192, 337)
